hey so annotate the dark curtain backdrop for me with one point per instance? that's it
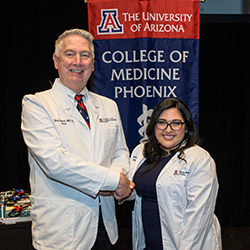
(28, 32)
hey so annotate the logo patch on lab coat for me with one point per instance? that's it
(106, 120)
(179, 172)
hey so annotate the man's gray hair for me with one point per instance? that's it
(80, 32)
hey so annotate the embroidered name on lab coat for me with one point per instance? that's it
(63, 122)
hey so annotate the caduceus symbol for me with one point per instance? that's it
(143, 120)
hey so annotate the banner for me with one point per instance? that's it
(145, 51)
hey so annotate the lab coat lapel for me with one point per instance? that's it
(93, 111)
(139, 160)
(172, 161)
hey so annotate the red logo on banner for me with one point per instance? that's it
(110, 23)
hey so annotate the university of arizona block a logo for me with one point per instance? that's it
(110, 23)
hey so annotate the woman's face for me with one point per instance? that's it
(168, 138)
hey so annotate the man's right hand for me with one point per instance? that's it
(125, 187)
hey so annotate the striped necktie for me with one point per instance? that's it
(82, 109)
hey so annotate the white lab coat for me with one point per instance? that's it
(186, 194)
(69, 165)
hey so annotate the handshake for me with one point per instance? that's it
(124, 189)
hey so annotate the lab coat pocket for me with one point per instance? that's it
(52, 222)
(111, 136)
(178, 192)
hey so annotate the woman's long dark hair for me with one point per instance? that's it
(152, 149)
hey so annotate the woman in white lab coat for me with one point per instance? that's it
(175, 185)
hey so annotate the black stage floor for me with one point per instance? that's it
(18, 236)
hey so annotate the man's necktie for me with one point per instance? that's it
(82, 109)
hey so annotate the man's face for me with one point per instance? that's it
(75, 62)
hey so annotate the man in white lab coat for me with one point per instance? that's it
(75, 170)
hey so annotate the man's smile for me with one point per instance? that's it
(76, 71)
